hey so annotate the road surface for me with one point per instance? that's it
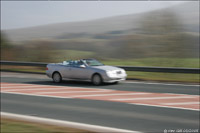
(137, 106)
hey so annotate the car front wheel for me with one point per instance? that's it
(57, 77)
(96, 79)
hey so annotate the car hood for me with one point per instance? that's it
(107, 68)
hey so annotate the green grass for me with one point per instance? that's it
(156, 62)
(160, 62)
(15, 126)
(169, 77)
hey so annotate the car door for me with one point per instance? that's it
(78, 71)
(65, 71)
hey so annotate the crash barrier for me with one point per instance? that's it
(127, 68)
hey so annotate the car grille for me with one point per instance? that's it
(119, 72)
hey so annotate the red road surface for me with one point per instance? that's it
(169, 100)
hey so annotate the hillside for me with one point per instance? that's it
(188, 15)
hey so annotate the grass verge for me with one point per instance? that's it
(165, 77)
(17, 126)
(155, 62)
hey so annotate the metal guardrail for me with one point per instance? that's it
(17, 63)
(162, 69)
(127, 68)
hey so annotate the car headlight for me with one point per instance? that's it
(123, 71)
(111, 73)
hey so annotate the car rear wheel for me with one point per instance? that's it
(96, 79)
(57, 77)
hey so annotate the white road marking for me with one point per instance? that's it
(28, 94)
(163, 106)
(159, 83)
(22, 84)
(56, 92)
(100, 89)
(175, 94)
(62, 123)
(152, 98)
(64, 88)
(115, 94)
(18, 84)
(60, 97)
(183, 103)
(31, 86)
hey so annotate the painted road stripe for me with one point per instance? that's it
(175, 94)
(152, 105)
(18, 84)
(28, 94)
(7, 90)
(62, 123)
(152, 98)
(31, 86)
(55, 92)
(183, 103)
(115, 94)
(46, 89)
(103, 94)
(21, 85)
(163, 106)
(128, 82)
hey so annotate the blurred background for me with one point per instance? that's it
(163, 34)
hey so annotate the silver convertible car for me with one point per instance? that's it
(85, 70)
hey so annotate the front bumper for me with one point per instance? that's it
(107, 79)
(114, 80)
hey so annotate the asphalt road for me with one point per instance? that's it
(104, 113)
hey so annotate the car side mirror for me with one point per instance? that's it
(82, 66)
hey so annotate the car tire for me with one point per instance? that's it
(117, 82)
(57, 77)
(96, 79)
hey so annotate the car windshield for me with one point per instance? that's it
(92, 62)
(72, 63)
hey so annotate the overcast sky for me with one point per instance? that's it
(21, 14)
